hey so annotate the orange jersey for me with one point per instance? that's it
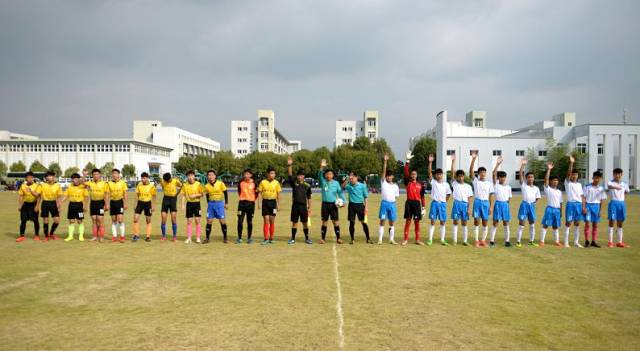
(247, 190)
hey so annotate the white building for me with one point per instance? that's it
(260, 135)
(348, 131)
(182, 142)
(608, 146)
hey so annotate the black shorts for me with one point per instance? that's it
(246, 208)
(96, 208)
(299, 212)
(28, 212)
(355, 210)
(49, 208)
(75, 210)
(169, 204)
(116, 207)
(269, 207)
(328, 211)
(413, 210)
(193, 209)
(143, 206)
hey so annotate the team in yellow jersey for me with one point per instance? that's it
(269, 190)
(51, 194)
(146, 192)
(117, 204)
(170, 188)
(28, 198)
(192, 193)
(217, 203)
(99, 195)
(78, 197)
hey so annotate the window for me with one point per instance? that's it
(581, 147)
(519, 152)
(154, 124)
(264, 134)
(600, 149)
(239, 129)
(372, 135)
(542, 153)
(517, 175)
(372, 123)
(15, 148)
(570, 124)
(263, 146)
(68, 148)
(471, 152)
(2, 147)
(477, 122)
(50, 148)
(451, 152)
(497, 152)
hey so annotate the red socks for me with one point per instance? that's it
(417, 223)
(407, 226)
(272, 230)
(265, 231)
(594, 231)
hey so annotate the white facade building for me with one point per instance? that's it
(608, 146)
(348, 131)
(260, 135)
(180, 141)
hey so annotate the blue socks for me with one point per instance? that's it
(164, 230)
(174, 227)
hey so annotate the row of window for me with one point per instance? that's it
(581, 147)
(150, 150)
(64, 147)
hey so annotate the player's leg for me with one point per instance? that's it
(148, 227)
(136, 226)
(71, 230)
(239, 225)
(163, 220)
(208, 230)
(189, 228)
(507, 233)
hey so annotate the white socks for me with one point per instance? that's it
(493, 234)
(380, 233)
(610, 234)
(543, 234)
(114, 230)
(520, 230)
(532, 232)
(455, 234)
(619, 235)
(122, 229)
(485, 232)
(465, 234)
(392, 233)
(442, 233)
(556, 235)
(566, 236)
(576, 235)
(507, 233)
(431, 230)
(476, 230)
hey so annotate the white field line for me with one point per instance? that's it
(338, 300)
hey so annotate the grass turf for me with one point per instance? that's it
(80, 295)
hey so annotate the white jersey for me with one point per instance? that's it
(554, 197)
(482, 188)
(573, 190)
(594, 194)
(617, 195)
(503, 192)
(462, 192)
(440, 190)
(390, 191)
(530, 194)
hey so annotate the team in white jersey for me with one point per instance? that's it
(460, 212)
(440, 193)
(388, 210)
(501, 211)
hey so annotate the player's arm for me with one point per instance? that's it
(366, 198)
(384, 167)
(278, 200)
(523, 163)
(494, 174)
(548, 174)
(309, 199)
(429, 165)
(107, 198)
(572, 160)
(226, 199)
(453, 166)
(290, 167)
(491, 199)
(85, 202)
(183, 199)
(125, 199)
(153, 200)
(474, 155)
(406, 167)
(259, 196)
(340, 193)
(38, 203)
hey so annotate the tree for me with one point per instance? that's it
(362, 144)
(260, 161)
(184, 164)
(89, 167)
(225, 162)
(203, 163)
(71, 170)
(129, 171)
(3, 169)
(305, 160)
(421, 150)
(55, 168)
(18, 167)
(107, 168)
(37, 167)
(381, 148)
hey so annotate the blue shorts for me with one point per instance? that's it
(438, 211)
(481, 209)
(388, 211)
(460, 210)
(215, 210)
(527, 211)
(501, 211)
(617, 210)
(552, 217)
(593, 213)
(573, 212)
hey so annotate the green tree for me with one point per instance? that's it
(71, 170)
(421, 150)
(89, 167)
(225, 162)
(3, 169)
(306, 161)
(381, 148)
(37, 167)
(55, 168)
(129, 171)
(107, 168)
(362, 144)
(184, 164)
(18, 167)
(203, 163)
(260, 161)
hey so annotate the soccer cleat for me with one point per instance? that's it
(444, 243)
(20, 239)
(379, 242)
(586, 243)
(238, 241)
(308, 242)
(94, 239)
(225, 241)
(339, 241)
(518, 244)
(404, 242)
(271, 241)
(135, 238)
(174, 239)
(147, 239)
(610, 244)
(369, 241)
(464, 243)
(429, 243)
(594, 244)
(68, 238)
(188, 241)
(249, 241)
(507, 244)
(351, 242)
(533, 244)
(392, 242)
(198, 241)
(321, 241)
(36, 238)
(291, 242)
(265, 242)
(566, 245)
(492, 244)
(557, 243)
(53, 237)
(205, 241)
(163, 239)
(483, 243)
(621, 245)
(418, 242)
(541, 244)
(577, 244)
(477, 244)
(122, 239)
(114, 239)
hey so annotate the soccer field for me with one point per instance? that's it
(82, 295)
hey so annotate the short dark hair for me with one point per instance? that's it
(528, 174)
(389, 173)
(300, 172)
(248, 170)
(270, 169)
(144, 175)
(502, 174)
(190, 172)
(75, 176)
(553, 178)
(49, 173)
(575, 171)
(459, 173)
(617, 171)
(212, 171)
(438, 171)
(353, 173)
(328, 170)
(29, 174)
(482, 169)
(115, 170)
(166, 177)
(597, 174)
(95, 170)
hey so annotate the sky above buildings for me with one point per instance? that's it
(87, 69)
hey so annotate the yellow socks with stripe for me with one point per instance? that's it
(81, 231)
(72, 228)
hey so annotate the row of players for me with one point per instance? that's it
(490, 197)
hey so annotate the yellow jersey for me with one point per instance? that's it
(170, 188)
(145, 192)
(76, 193)
(215, 191)
(117, 190)
(192, 189)
(269, 189)
(26, 194)
(97, 190)
(50, 192)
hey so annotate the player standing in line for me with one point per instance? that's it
(192, 192)
(217, 203)
(388, 210)
(358, 205)
(78, 196)
(576, 204)
(29, 206)
(501, 211)
(146, 192)
(527, 211)
(440, 193)
(331, 192)
(99, 195)
(553, 213)
(247, 194)
(50, 192)
(170, 189)
(594, 194)
(300, 202)
(461, 212)
(117, 205)
(269, 190)
(482, 190)
(617, 210)
(414, 206)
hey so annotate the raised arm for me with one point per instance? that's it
(323, 165)
(429, 165)
(474, 155)
(572, 160)
(384, 167)
(494, 175)
(407, 160)
(453, 167)
(523, 163)
(546, 176)
(290, 166)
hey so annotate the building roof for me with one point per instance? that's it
(85, 140)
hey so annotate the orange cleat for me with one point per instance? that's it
(610, 244)
(476, 243)
(122, 239)
(114, 239)
(36, 238)
(174, 239)
(557, 243)
(21, 239)
(622, 245)
(483, 243)
(541, 244)
(53, 237)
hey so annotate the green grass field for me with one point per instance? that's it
(81, 295)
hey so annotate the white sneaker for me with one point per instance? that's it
(392, 242)
(198, 240)
(379, 242)
(188, 241)
(566, 245)
(577, 244)
(405, 242)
